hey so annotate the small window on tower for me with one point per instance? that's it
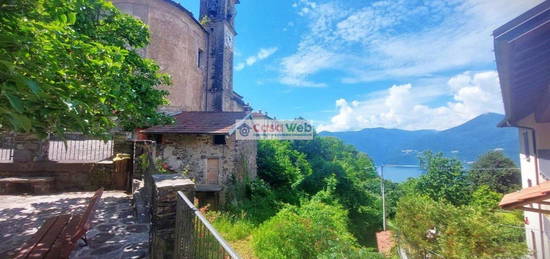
(219, 140)
(200, 58)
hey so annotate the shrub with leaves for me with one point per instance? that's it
(441, 229)
(308, 231)
(73, 65)
(485, 198)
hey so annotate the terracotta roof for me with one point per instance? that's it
(259, 115)
(385, 242)
(201, 123)
(529, 195)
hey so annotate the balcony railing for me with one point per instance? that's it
(195, 237)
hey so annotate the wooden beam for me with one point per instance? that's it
(520, 204)
(544, 203)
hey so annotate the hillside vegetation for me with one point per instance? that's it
(321, 199)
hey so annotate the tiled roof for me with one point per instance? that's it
(201, 122)
(385, 242)
(259, 115)
(529, 195)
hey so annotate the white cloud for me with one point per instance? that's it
(288, 26)
(399, 38)
(261, 55)
(297, 67)
(406, 106)
(307, 7)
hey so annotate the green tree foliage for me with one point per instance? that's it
(497, 171)
(445, 179)
(308, 231)
(281, 165)
(357, 184)
(72, 65)
(485, 198)
(442, 229)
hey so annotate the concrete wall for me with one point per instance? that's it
(188, 153)
(176, 38)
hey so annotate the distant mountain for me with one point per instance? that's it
(465, 142)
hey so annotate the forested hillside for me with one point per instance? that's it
(465, 142)
(321, 199)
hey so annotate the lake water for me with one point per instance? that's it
(401, 174)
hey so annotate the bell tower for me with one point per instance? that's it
(218, 18)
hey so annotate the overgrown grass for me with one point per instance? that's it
(232, 227)
(235, 229)
(310, 230)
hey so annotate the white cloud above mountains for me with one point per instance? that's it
(423, 43)
(390, 38)
(406, 106)
(261, 55)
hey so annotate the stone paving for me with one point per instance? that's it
(115, 232)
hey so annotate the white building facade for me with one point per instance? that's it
(522, 50)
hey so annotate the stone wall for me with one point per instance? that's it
(187, 154)
(245, 159)
(31, 160)
(176, 40)
(163, 212)
(68, 176)
(29, 148)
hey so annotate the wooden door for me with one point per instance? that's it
(212, 170)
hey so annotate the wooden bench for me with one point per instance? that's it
(58, 236)
(38, 185)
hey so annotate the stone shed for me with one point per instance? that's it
(203, 147)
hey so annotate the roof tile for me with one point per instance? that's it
(201, 123)
(527, 195)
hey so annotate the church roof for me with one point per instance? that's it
(201, 123)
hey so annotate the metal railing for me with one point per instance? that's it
(196, 238)
(78, 147)
(6, 148)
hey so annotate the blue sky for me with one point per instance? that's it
(353, 64)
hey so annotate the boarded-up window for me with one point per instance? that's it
(212, 170)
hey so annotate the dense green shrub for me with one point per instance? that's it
(440, 228)
(257, 201)
(308, 231)
(297, 170)
(485, 198)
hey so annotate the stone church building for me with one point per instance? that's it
(199, 57)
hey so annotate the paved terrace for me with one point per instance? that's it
(115, 231)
